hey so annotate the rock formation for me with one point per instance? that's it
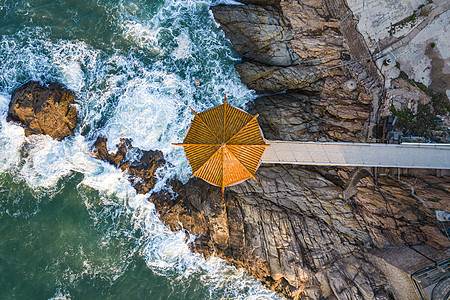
(44, 109)
(295, 116)
(306, 231)
(141, 172)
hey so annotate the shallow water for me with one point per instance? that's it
(71, 226)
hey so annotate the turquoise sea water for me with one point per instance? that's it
(72, 227)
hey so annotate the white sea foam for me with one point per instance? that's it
(166, 252)
(11, 139)
(141, 35)
(184, 46)
(60, 295)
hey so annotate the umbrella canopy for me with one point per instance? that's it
(224, 145)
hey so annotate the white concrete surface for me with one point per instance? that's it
(408, 44)
(411, 54)
(376, 17)
(428, 156)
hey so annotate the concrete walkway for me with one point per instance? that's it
(427, 156)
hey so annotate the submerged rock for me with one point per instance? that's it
(44, 109)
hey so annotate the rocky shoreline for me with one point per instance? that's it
(306, 232)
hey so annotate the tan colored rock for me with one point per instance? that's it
(264, 78)
(314, 31)
(44, 109)
(393, 216)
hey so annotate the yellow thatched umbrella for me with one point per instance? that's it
(224, 145)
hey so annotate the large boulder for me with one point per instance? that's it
(46, 109)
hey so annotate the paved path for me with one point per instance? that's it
(441, 7)
(427, 156)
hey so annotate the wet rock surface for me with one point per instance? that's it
(46, 109)
(141, 172)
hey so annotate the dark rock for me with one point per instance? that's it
(262, 2)
(262, 78)
(44, 109)
(284, 231)
(393, 215)
(260, 34)
(141, 172)
(117, 158)
(293, 116)
(287, 47)
(295, 231)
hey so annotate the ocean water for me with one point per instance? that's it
(71, 226)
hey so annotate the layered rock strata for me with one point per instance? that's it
(41, 109)
(305, 231)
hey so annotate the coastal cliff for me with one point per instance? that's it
(304, 231)
(307, 232)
